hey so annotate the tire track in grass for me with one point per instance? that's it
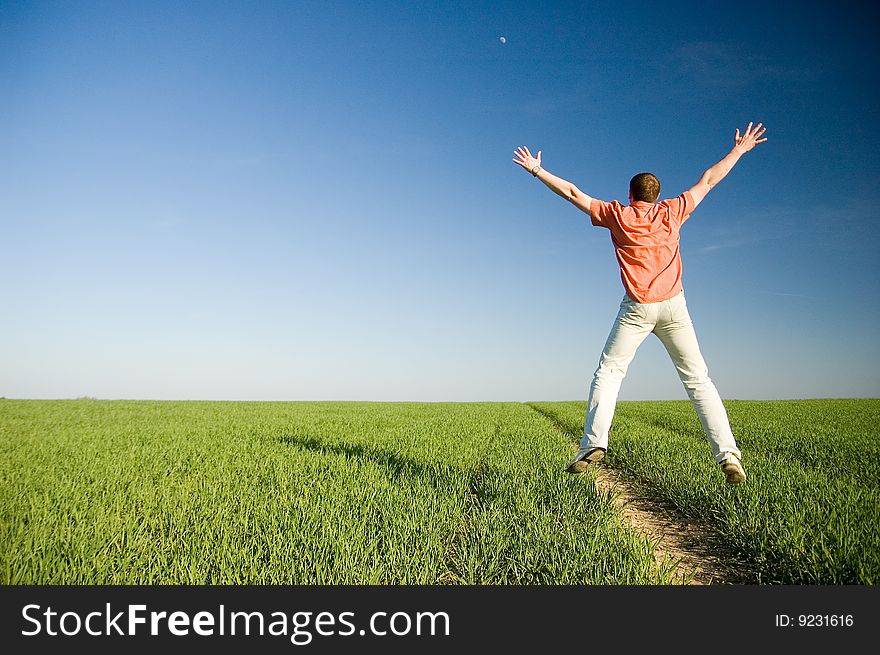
(690, 548)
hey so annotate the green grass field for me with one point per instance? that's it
(138, 492)
(809, 512)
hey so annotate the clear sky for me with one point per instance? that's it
(308, 200)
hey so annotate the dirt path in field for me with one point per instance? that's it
(690, 549)
(679, 543)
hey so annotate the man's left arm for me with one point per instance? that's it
(741, 145)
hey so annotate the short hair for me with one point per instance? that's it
(645, 187)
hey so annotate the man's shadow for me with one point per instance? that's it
(400, 469)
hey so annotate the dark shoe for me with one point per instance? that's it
(584, 458)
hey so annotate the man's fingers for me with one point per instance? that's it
(752, 133)
(524, 157)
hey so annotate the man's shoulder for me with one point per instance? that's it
(683, 198)
(681, 206)
(602, 212)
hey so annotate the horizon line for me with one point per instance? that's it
(521, 402)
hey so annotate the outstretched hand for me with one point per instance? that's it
(524, 158)
(750, 139)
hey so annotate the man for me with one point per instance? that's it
(646, 240)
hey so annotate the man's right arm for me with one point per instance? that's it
(565, 189)
(556, 184)
(741, 145)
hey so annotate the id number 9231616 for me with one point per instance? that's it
(815, 621)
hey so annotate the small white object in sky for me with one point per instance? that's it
(503, 39)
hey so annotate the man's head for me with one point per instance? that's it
(645, 187)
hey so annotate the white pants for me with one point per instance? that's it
(670, 321)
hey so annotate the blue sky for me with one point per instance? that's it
(301, 201)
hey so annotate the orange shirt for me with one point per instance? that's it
(645, 237)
